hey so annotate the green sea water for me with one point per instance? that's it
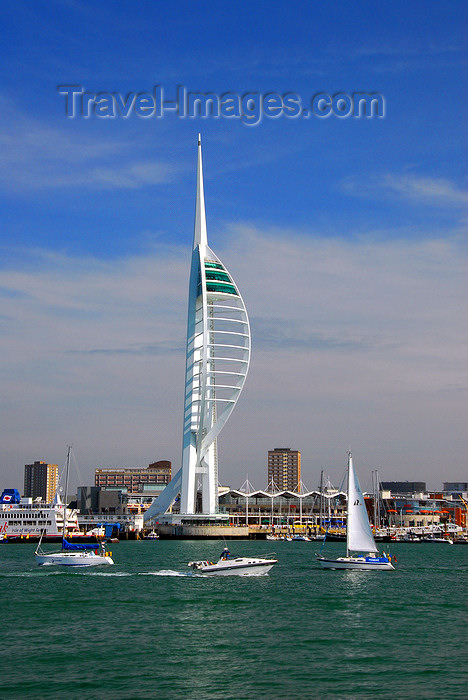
(148, 628)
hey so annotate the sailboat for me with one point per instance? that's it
(72, 554)
(359, 537)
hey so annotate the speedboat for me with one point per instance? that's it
(227, 565)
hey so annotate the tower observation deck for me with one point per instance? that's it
(217, 362)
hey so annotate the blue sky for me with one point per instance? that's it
(346, 236)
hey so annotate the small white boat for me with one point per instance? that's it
(72, 554)
(433, 538)
(300, 538)
(410, 538)
(153, 535)
(234, 566)
(359, 537)
(76, 556)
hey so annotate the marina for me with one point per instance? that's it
(300, 631)
(232, 260)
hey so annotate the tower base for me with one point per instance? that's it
(208, 532)
(206, 519)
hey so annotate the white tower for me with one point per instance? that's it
(217, 361)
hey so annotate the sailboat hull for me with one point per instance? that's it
(358, 563)
(73, 559)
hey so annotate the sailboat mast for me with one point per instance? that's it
(321, 500)
(374, 491)
(64, 525)
(377, 488)
(348, 509)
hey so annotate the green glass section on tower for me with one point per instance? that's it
(220, 287)
(217, 279)
(220, 276)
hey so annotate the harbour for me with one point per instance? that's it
(148, 628)
(233, 287)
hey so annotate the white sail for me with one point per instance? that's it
(359, 533)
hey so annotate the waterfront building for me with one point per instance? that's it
(455, 487)
(116, 501)
(423, 513)
(422, 509)
(284, 468)
(217, 361)
(41, 481)
(133, 479)
(403, 486)
(115, 508)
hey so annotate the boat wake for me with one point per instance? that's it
(165, 572)
(105, 573)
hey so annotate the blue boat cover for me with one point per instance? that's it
(109, 527)
(75, 547)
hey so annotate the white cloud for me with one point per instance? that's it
(358, 343)
(427, 190)
(38, 156)
(437, 192)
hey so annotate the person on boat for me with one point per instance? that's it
(225, 554)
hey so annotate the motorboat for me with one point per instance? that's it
(228, 565)
(408, 537)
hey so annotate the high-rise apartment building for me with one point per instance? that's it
(133, 480)
(284, 468)
(41, 480)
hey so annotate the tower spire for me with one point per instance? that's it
(199, 235)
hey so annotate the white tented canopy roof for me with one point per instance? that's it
(237, 493)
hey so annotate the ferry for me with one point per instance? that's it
(24, 518)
